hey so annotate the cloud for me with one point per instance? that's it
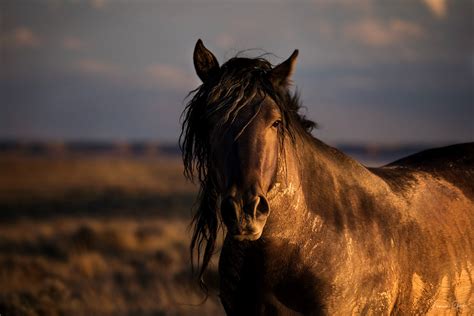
(161, 76)
(437, 7)
(98, 4)
(225, 41)
(97, 67)
(375, 33)
(359, 5)
(19, 37)
(171, 77)
(73, 43)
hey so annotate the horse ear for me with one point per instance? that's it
(205, 62)
(281, 74)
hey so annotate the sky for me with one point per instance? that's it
(369, 71)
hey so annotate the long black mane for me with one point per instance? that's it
(214, 106)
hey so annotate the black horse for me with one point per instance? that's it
(308, 229)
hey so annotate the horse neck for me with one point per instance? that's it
(322, 182)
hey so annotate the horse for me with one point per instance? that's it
(309, 230)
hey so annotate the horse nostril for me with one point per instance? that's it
(232, 213)
(229, 210)
(262, 207)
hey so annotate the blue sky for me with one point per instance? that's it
(368, 71)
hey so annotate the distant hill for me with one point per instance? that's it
(369, 154)
(90, 148)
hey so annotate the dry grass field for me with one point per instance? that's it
(97, 235)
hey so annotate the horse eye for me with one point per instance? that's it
(276, 124)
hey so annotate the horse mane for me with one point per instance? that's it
(239, 82)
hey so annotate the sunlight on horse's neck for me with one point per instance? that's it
(314, 179)
(322, 166)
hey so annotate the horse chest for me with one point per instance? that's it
(267, 279)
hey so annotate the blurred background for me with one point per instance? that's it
(94, 210)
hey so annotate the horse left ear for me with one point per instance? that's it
(205, 62)
(280, 76)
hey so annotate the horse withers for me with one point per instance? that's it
(308, 229)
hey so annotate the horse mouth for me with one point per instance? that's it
(249, 237)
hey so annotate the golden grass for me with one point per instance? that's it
(96, 263)
(48, 176)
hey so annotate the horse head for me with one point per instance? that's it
(245, 132)
(232, 140)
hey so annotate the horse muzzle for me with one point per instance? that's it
(245, 218)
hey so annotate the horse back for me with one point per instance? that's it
(454, 164)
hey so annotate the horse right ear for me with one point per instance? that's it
(205, 62)
(281, 74)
